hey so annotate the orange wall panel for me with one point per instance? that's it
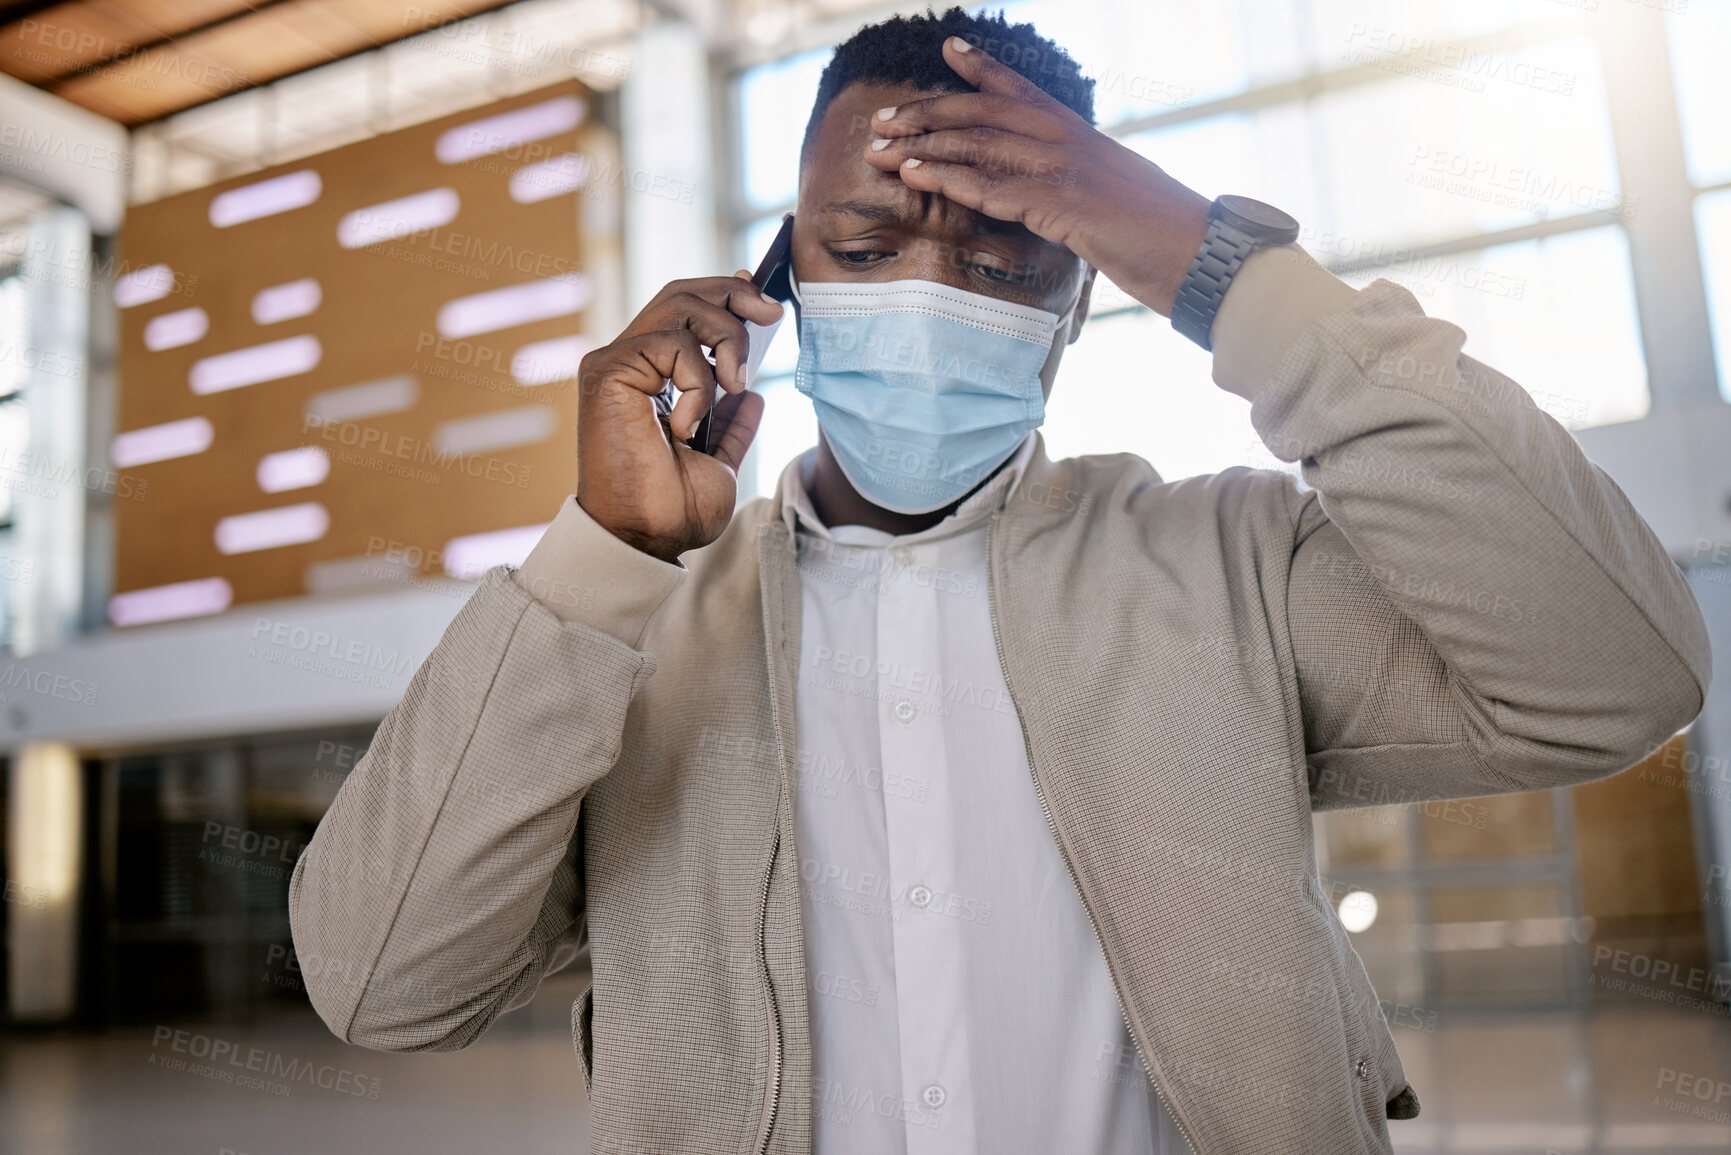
(389, 479)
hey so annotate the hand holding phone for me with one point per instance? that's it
(658, 491)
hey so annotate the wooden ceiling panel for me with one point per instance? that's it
(60, 41)
(138, 60)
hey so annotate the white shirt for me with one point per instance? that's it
(960, 1003)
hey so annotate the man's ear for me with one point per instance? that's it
(1082, 301)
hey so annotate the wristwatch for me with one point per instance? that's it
(1237, 226)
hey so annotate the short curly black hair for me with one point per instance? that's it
(907, 50)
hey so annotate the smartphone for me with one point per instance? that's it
(774, 278)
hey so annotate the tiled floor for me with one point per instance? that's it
(519, 1090)
(1639, 1078)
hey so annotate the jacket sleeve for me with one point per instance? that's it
(442, 885)
(1473, 606)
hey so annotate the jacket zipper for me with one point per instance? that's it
(772, 1099)
(997, 641)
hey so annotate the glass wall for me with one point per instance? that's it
(1697, 34)
(1463, 150)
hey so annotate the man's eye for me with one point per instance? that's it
(858, 256)
(1014, 275)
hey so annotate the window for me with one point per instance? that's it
(1713, 226)
(1461, 149)
(14, 432)
(1703, 86)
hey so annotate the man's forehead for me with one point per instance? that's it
(847, 122)
(838, 184)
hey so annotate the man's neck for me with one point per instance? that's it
(836, 502)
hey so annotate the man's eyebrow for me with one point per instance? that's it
(890, 214)
(870, 210)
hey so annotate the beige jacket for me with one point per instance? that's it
(599, 755)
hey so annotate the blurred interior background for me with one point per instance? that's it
(291, 299)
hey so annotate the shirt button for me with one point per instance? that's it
(920, 895)
(1363, 1068)
(905, 710)
(934, 1095)
(902, 555)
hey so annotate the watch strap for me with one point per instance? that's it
(1224, 249)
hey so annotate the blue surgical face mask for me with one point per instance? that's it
(922, 390)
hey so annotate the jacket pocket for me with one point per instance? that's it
(582, 1018)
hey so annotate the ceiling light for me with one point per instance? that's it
(249, 366)
(504, 429)
(172, 330)
(293, 469)
(265, 198)
(514, 305)
(388, 395)
(1358, 911)
(286, 301)
(548, 179)
(398, 218)
(508, 129)
(161, 442)
(166, 603)
(270, 528)
(142, 286)
(543, 362)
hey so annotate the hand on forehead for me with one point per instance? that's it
(845, 198)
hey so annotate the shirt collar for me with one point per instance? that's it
(799, 516)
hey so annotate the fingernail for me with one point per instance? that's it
(960, 45)
(880, 144)
(886, 113)
(770, 299)
(911, 162)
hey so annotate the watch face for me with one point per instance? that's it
(1260, 220)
